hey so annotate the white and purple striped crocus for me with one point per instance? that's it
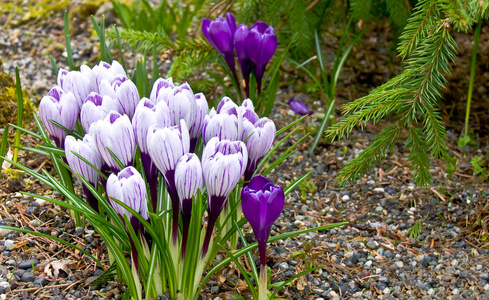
(182, 105)
(87, 149)
(105, 71)
(146, 115)
(128, 186)
(226, 123)
(262, 203)
(76, 82)
(259, 138)
(124, 91)
(220, 33)
(162, 90)
(188, 180)
(166, 146)
(202, 110)
(96, 108)
(115, 133)
(261, 43)
(223, 164)
(62, 108)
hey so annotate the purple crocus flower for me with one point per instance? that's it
(262, 203)
(128, 186)
(124, 91)
(223, 164)
(166, 146)
(115, 133)
(261, 44)
(260, 136)
(62, 108)
(96, 108)
(87, 149)
(220, 33)
(188, 179)
(146, 115)
(240, 42)
(76, 82)
(299, 107)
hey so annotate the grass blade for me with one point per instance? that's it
(20, 112)
(69, 53)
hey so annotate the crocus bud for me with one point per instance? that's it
(261, 44)
(182, 105)
(124, 91)
(146, 115)
(76, 82)
(162, 90)
(220, 33)
(105, 71)
(260, 137)
(202, 109)
(223, 164)
(96, 108)
(188, 179)
(115, 133)
(299, 107)
(87, 149)
(128, 187)
(63, 110)
(240, 37)
(224, 126)
(166, 146)
(262, 203)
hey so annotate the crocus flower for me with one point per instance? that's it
(166, 146)
(162, 90)
(124, 91)
(105, 71)
(202, 110)
(299, 107)
(64, 110)
(260, 136)
(128, 186)
(240, 37)
(182, 105)
(115, 133)
(225, 122)
(96, 108)
(188, 179)
(261, 44)
(220, 33)
(146, 115)
(76, 82)
(223, 164)
(262, 203)
(87, 149)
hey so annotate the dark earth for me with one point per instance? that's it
(402, 241)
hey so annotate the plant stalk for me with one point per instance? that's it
(472, 75)
(262, 293)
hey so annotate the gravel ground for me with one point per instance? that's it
(373, 257)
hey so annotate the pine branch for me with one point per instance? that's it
(418, 27)
(372, 155)
(418, 157)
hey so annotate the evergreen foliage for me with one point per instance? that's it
(412, 97)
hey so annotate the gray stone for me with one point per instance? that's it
(27, 277)
(9, 244)
(27, 264)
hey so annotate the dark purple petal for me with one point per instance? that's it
(258, 182)
(231, 22)
(299, 107)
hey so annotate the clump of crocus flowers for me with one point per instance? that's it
(254, 46)
(121, 130)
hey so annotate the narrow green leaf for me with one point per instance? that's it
(20, 112)
(69, 54)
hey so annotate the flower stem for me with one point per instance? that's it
(263, 291)
(472, 75)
